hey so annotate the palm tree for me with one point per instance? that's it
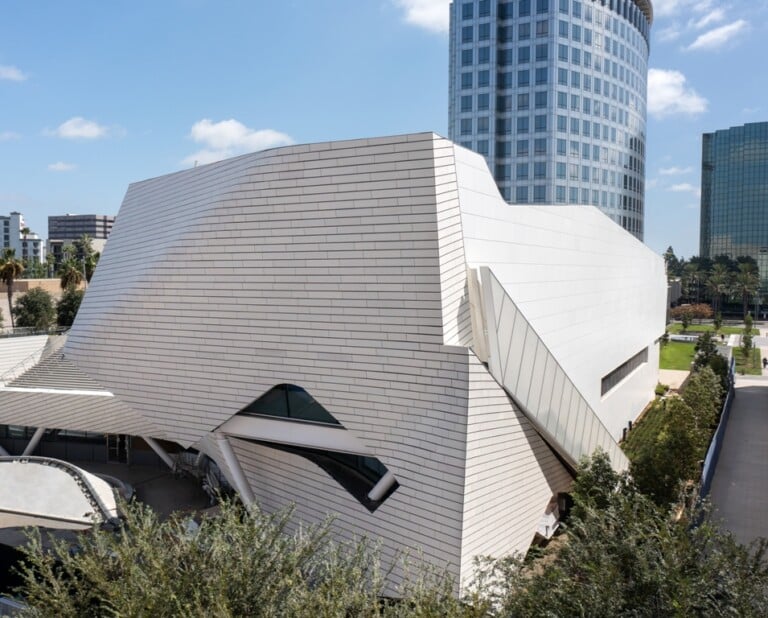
(89, 257)
(747, 282)
(70, 274)
(692, 279)
(719, 284)
(10, 270)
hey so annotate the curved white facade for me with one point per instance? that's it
(343, 270)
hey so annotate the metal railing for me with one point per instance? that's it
(713, 452)
(28, 331)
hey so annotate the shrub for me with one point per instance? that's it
(35, 310)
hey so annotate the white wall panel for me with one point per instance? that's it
(594, 294)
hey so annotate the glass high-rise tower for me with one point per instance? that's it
(734, 194)
(553, 94)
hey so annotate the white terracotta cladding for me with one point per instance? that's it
(338, 267)
(594, 294)
(341, 267)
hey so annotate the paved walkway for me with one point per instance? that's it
(740, 485)
(673, 378)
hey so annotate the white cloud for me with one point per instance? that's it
(667, 8)
(429, 14)
(675, 171)
(669, 94)
(6, 136)
(686, 187)
(713, 17)
(60, 166)
(719, 36)
(228, 138)
(79, 128)
(670, 33)
(11, 73)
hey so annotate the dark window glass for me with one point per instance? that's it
(289, 401)
(504, 34)
(505, 10)
(357, 474)
(504, 57)
(467, 10)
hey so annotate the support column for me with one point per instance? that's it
(233, 464)
(33, 442)
(161, 452)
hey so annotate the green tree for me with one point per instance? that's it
(70, 274)
(33, 269)
(718, 321)
(50, 262)
(705, 349)
(10, 270)
(35, 310)
(673, 458)
(693, 278)
(719, 284)
(675, 265)
(239, 563)
(704, 395)
(67, 307)
(86, 255)
(746, 283)
(631, 558)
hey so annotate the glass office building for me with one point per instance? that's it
(553, 94)
(734, 194)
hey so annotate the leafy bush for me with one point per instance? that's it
(238, 563)
(34, 310)
(67, 307)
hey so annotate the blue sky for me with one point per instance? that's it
(95, 95)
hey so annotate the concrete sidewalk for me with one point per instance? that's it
(739, 491)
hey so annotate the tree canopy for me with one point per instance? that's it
(67, 307)
(621, 555)
(10, 270)
(625, 556)
(35, 310)
(238, 563)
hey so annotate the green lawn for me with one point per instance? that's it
(696, 329)
(677, 355)
(755, 368)
(644, 431)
